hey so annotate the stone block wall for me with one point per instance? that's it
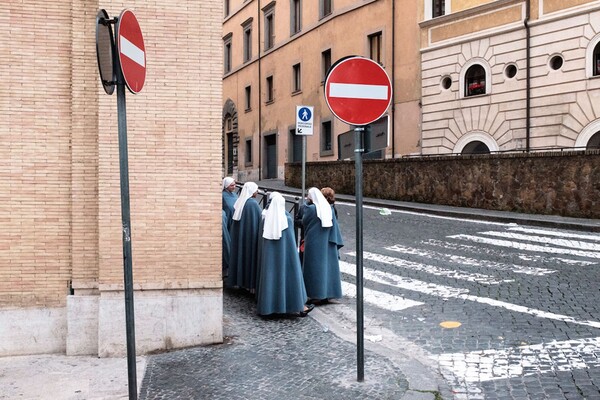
(554, 183)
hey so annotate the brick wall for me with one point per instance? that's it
(60, 213)
(35, 155)
(566, 183)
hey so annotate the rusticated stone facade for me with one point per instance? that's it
(566, 183)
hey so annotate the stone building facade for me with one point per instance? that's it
(276, 55)
(512, 75)
(468, 76)
(61, 255)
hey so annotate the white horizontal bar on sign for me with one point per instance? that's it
(132, 51)
(358, 91)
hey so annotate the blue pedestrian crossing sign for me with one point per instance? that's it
(304, 120)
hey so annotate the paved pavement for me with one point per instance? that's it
(285, 358)
(296, 358)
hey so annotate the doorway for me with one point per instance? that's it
(271, 156)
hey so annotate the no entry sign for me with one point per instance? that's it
(131, 50)
(358, 91)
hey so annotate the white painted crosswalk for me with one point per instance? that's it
(494, 364)
(477, 259)
(447, 292)
(528, 246)
(460, 260)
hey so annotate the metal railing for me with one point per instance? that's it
(292, 206)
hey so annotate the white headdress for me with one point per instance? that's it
(227, 181)
(247, 191)
(275, 218)
(323, 207)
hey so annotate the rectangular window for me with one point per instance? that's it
(375, 47)
(324, 8)
(438, 8)
(325, 63)
(295, 16)
(248, 98)
(226, 8)
(227, 54)
(248, 153)
(247, 41)
(270, 94)
(297, 74)
(269, 12)
(326, 137)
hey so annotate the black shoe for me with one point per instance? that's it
(304, 313)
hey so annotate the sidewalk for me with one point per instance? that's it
(549, 221)
(61, 377)
(262, 359)
(283, 359)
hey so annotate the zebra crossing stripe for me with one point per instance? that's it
(403, 283)
(380, 299)
(540, 239)
(451, 292)
(430, 269)
(471, 262)
(531, 258)
(537, 359)
(561, 234)
(526, 246)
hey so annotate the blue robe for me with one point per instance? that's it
(245, 234)
(321, 257)
(281, 286)
(226, 246)
(229, 199)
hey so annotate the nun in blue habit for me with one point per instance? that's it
(229, 199)
(226, 246)
(281, 286)
(245, 234)
(322, 241)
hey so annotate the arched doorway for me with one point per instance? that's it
(230, 139)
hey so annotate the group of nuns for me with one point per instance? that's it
(260, 253)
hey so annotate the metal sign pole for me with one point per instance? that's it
(360, 343)
(126, 221)
(303, 168)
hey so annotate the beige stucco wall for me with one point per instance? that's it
(476, 23)
(339, 32)
(550, 6)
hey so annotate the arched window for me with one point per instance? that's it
(596, 61)
(476, 142)
(594, 142)
(476, 147)
(475, 80)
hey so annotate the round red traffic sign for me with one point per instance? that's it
(132, 52)
(358, 91)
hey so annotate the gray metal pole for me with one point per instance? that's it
(126, 223)
(360, 342)
(303, 168)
